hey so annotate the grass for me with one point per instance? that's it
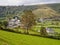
(10, 38)
(22, 39)
(3, 42)
(48, 24)
(57, 30)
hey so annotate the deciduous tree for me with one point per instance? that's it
(28, 20)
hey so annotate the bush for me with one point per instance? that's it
(43, 31)
(5, 23)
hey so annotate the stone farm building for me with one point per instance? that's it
(50, 31)
(14, 22)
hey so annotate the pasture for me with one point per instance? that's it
(10, 38)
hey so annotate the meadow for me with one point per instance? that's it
(10, 38)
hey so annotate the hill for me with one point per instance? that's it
(9, 11)
(45, 12)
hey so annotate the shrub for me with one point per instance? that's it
(43, 31)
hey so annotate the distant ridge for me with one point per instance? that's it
(14, 10)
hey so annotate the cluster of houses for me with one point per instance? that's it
(16, 22)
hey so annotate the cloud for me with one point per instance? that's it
(9, 2)
(32, 2)
(3, 2)
(13, 2)
(26, 2)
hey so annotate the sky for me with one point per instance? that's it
(27, 2)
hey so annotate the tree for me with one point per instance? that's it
(1, 25)
(28, 20)
(43, 31)
(5, 23)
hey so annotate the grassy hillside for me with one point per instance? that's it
(9, 11)
(45, 12)
(10, 38)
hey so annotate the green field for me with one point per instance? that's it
(10, 38)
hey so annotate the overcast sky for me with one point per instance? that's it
(27, 2)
